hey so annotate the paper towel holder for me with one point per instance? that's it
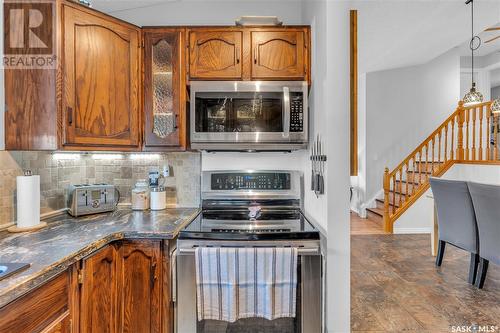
(15, 228)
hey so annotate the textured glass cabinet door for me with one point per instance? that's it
(162, 89)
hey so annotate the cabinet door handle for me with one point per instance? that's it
(153, 276)
(175, 121)
(255, 55)
(237, 54)
(69, 111)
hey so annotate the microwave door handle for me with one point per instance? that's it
(286, 112)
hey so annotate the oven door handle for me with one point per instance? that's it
(174, 276)
(303, 251)
(286, 112)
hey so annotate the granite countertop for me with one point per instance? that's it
(67, 239)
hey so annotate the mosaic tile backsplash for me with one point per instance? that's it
(123, 170)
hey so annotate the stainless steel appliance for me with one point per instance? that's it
(249, 115)
(251, 209)
(84, 199)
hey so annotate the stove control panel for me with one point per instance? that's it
(251, 181)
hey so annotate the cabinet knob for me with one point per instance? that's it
(175, 121)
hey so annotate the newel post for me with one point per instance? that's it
(387, 187)
(460, 134)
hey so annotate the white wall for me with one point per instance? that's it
(489, 174)
(403, 106)
(495, 92)
(336, 107)
(196, 12)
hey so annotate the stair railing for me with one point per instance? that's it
(469, 134)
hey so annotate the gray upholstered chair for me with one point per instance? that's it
(486, 199)
(456, 220)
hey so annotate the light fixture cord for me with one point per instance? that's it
(472, 41)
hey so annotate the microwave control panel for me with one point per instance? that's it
(296, 112)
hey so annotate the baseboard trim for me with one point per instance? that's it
(403, 231)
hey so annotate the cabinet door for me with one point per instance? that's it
(278, 55)
(140, 285)
(99, 293)
(101, 81)
(164, 90)
(215, 55)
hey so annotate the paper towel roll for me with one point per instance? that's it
(28, 201)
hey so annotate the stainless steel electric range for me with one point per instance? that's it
(251, 208)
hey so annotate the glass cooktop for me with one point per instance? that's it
(250, 225)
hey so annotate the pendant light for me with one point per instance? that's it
(495, 106)
(473, 96)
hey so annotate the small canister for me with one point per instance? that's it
(140, 195)
(158, 198)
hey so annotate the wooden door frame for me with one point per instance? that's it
(354, 92)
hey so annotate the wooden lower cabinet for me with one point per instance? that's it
(122, 289)
(46, 309)
(140, 286)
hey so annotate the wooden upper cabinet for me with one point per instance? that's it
(100, 81)
(140, 285)
(215, 54)
(278, 54)
(99, 292)
(164, 89)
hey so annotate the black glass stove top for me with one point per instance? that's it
(250, 225)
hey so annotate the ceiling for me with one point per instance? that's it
(391, 33)
(485, 48)
(401, 33)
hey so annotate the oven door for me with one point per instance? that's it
(248, 112)
(309, 299)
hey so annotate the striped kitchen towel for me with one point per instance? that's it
(235, 283)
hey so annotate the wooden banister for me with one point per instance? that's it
(438, 152)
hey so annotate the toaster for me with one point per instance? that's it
(84, 199)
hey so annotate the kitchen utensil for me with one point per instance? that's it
(313, 166)
(318, 177)
(321, 185)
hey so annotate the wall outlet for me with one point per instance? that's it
(166, 170)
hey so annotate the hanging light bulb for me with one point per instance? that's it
(473, 96)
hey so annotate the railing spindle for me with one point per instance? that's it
(432, 163)
(473, 157)
(495, 137)
(446, 143)
(466, 119)
(426, 175)
(394, 195)
(488, 135)
(480, 153)
(400, 182)
(406, 184)
(439, 147)
(452, 139)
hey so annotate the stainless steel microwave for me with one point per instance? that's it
(249, 115)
